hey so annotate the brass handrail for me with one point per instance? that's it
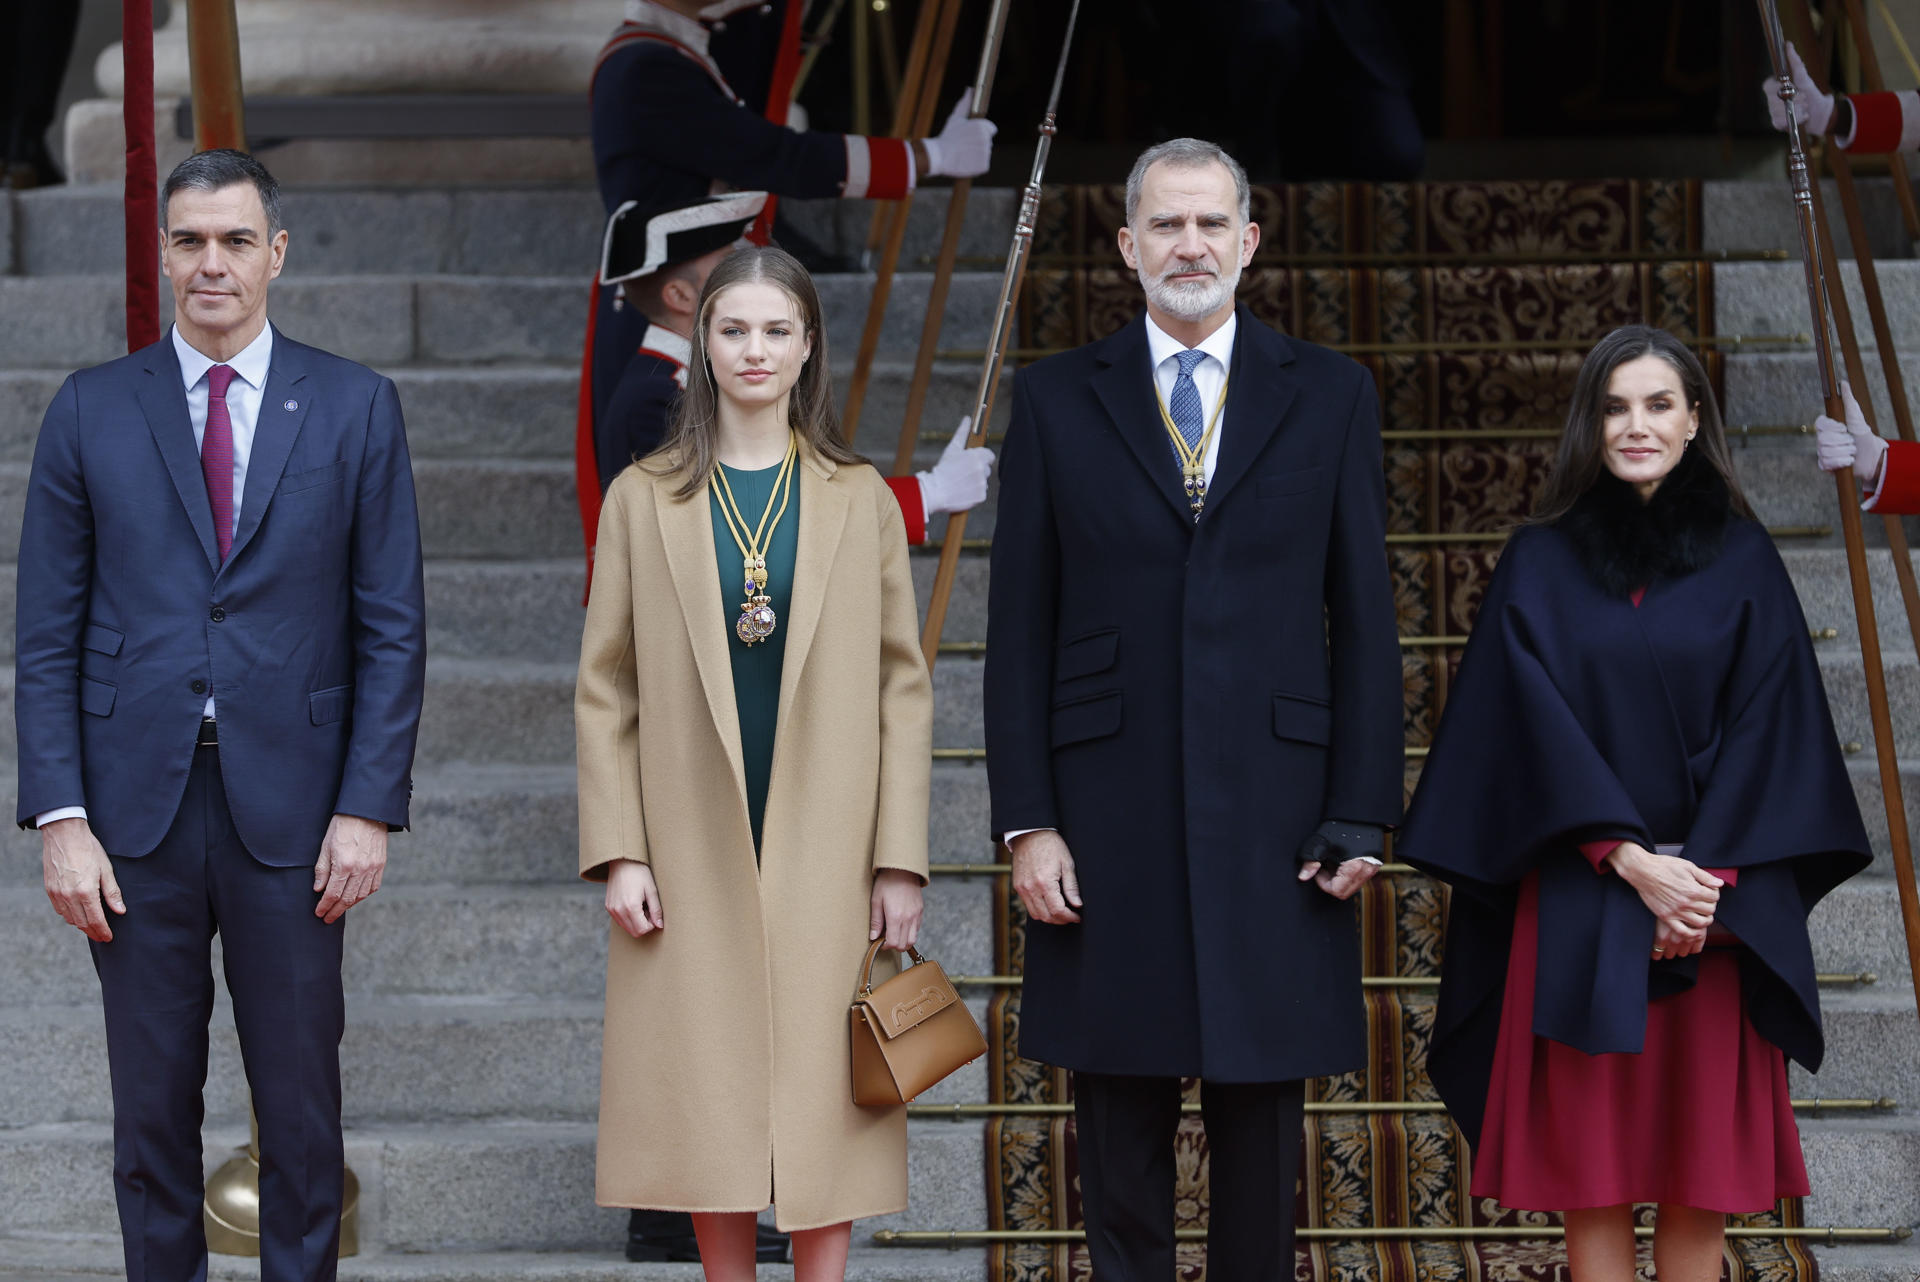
(1830, 1235)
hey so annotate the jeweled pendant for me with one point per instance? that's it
(757, 620)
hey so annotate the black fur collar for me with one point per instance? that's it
(1626, 544)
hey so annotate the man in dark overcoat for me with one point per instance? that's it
(1193, 716)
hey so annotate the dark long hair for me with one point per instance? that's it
(1581, 458)
(692, 444)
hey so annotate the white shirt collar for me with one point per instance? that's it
(687, 31)
(1163, 347)
(660, 339)
(250, 363)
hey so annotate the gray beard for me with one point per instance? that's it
(1191, 302)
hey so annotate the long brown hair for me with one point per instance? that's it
(692, 444)
(1581, 458)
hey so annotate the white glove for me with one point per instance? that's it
(721, 10)
(959, 480)
(1850, 444)
(1813, 108)
(964, 148)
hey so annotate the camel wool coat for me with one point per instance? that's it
(725, 1082)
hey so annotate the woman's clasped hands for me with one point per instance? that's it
(1681, 895)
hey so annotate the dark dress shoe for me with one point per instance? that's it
(657, 1237)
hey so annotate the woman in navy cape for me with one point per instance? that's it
(1637, 796)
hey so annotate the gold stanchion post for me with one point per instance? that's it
(232, 1209)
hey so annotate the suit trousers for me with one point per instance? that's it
(1125, 1127)
(156, 977)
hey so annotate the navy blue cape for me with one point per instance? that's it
(1697, 717)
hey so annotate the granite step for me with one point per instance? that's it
(527, 410)
(1787, 489)
(514, 823)
(464, 1059)
(529, 1186)
(531, 610)
(403, 1060)
(387, 320)
(1771, 298)
(85, 1258)
(1783, 387)
(478, 508)
(1740, 215)
(1873, 1045)
(72, 230)
(516, 1185)
(457, 943)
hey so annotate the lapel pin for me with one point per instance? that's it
(291, 405)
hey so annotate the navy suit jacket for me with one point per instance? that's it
(1185, 701)
(311, 637)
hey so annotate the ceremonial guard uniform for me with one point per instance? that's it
(635, 420)
(1862, 124)
(669, 130)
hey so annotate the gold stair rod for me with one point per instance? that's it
(1435, 258)
(1425, 540)
(1741, 431)
(977, 649)
(1001, 870)
(979, 755)
(1831, 1235)
(1830, 980)
(1427, 347)
(968, 1112)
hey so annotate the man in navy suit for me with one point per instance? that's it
(1193, 718)
(220, 660)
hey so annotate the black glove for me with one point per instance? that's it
(1334, 842)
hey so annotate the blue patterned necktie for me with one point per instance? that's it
(1184, 404)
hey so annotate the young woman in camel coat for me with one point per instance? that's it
(725, 1080)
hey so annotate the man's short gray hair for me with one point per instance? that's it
(1187, 153)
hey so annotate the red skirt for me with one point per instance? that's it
(1701, 1117)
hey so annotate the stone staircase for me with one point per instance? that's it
(474, 978)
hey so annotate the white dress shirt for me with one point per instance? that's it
(243, 403)
(1209, 378)
(249, 367)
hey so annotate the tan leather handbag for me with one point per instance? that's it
(909, 1033)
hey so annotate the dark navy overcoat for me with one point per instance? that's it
(1186, 701)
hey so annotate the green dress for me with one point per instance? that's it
(756, 668)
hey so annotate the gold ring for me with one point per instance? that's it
(1659, 950)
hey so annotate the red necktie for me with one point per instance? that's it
(216, 457)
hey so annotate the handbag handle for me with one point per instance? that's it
(866, 968)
